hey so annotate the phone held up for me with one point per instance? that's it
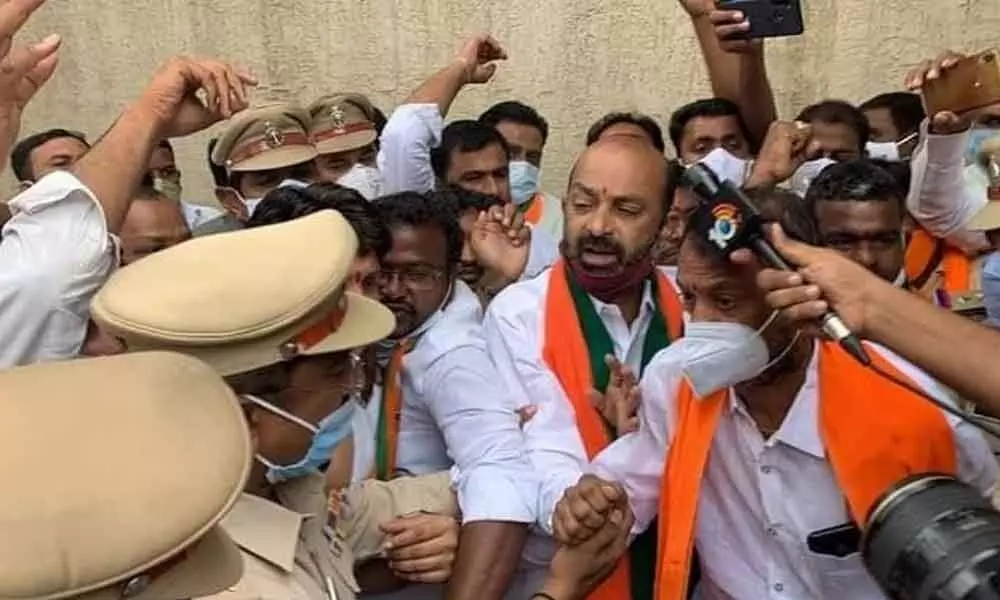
(768, 18)
(972, 83)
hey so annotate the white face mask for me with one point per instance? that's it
(887, 150)
(727, 166)
(803, 177)
(523, 178)
(365, 180)
(719, 355)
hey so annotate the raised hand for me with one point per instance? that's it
(23, 69)
(945, 123)
(585, 508)
(786, 147)
(732, 22)
(501, 242)
(172, 97)
(619, 404)
(479, 55)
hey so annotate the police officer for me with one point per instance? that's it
(259, 149)
(283, 334)
(117, 472)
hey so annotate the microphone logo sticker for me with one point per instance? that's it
(726, 223)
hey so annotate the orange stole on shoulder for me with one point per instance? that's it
(874, 431)
(565, 352)
(954, 265)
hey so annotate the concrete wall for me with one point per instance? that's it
(572, 59)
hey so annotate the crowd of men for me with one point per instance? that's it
(385, 363)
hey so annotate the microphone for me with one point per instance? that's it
(730, 221)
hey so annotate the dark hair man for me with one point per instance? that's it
(526, 133)
(703, 126)
(859, 212)
(38, 155)
(454, 408)
(895, 120)
(838, 128)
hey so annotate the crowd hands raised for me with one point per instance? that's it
(431, 226)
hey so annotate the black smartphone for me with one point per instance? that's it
(839, 541)
(768, 18)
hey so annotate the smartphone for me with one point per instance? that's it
(768, 18)
(839, 541)
(973, 83)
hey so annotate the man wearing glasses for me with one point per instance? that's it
(442, 401)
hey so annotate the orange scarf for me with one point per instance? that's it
(875, 434)
(926, 256)
(566, 354)
(390, 413)
(533, 209)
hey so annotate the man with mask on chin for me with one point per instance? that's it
(558, 340)
(343, 129)
(291, 354)
(756, 440)
(259, 149)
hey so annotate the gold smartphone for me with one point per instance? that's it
(973, 83)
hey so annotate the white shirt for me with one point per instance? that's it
(514, 329)
(941, 198)
(404, 157)
(364, 430)
(55, 254)
(760, 500)
(456, 411)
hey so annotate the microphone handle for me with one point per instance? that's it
(831, 324)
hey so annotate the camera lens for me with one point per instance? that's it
(933, 537)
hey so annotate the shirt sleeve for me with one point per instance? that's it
(542, 254)
(404, 157)
(939, 197)
(975, 462)
(555, 448)
(55, 253)
(493, 479)
(637, 461)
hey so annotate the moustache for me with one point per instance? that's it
(600, 244)
(399, 308)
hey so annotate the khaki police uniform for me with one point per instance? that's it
(249, 299)
(117, 472)
(265, 138)
(342, 122)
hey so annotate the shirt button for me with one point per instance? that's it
(773, 532)
(766, 470)
(778, 587)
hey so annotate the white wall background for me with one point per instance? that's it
(572, 59)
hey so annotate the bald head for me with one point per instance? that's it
(153, 222)
(616, 203)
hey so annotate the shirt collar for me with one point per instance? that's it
(647, 304)
(800, 429)
(265, 529)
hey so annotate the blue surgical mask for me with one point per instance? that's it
(974, 146)
(523, 181)
(332, 430)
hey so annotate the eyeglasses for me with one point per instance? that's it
(417, 279)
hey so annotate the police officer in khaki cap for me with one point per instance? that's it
(284, 334)
(260, 148)
(117, 472)
(343, 128)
